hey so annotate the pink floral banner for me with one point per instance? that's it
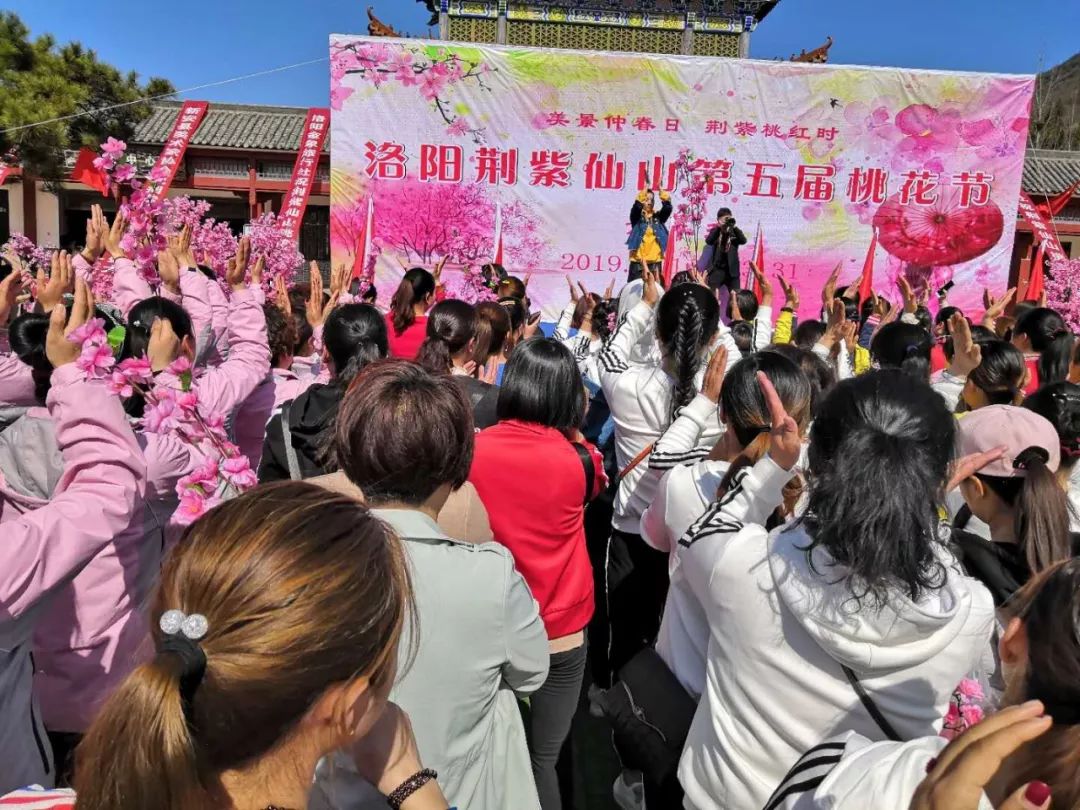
(440, 136)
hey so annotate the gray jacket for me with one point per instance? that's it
(481, 643)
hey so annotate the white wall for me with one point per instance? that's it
(48, 218)
(15, 207)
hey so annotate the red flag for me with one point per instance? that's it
(668, 268)
(1036, 279)
(363, 242)
(89, 175)
(759, 260)
(866, 282)
(498, 258)
(1054, 205)
(5, 170)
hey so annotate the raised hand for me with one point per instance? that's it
(318, 311)
(965, 467)
(910, 304)
(834, 324)
(10, 288)
(785, 444)
(713, 381)
(828, 293)
(609, 291)
(51, 292)
(574, 297)
(791, 294)
(958, 776)
(650, 292)
(114, 237)
(489, 372)
(764, 283)
(339, 281)
(699, 277)
(437, 272)
(281, 296)
(58, 349)
(163, 346)
(169, 270)
(849, 333)
(995, 307)
(96, 230)
(967, 354)
(257, 271)
(236, 270)
(180, 247)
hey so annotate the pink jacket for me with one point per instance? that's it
(278, 387)
(89, 642)
(16, 382)
(99, 492)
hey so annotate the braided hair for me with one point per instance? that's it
(686, 321)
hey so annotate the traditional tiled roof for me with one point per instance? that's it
(1050, 172)
(231, 126)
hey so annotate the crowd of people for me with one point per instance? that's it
(279, 548)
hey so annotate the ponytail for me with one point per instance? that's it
(905, 346)
(354, 336)
(492, 329)
(1040, 507)
(1000, 374)
(139, 752)
(451, 327)
(896, 440)
(415, 286)
(686, 321)
(1049, 335)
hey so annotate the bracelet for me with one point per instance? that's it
(409, 787)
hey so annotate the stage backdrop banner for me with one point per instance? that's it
(448, 139)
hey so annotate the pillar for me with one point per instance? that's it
(15, 207)
(744, 45)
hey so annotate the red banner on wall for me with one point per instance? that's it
(172, 153)
(312, 138)
(1044, 233)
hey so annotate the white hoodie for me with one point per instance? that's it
(849, 772)
(779, 633)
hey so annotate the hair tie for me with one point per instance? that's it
(910, 350)
(1028, 455)
(181, 634)
(1071, 449)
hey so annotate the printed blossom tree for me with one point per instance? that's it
(433, 71)
(426, 221)
(1063, 291)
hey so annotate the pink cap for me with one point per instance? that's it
(1014, 428)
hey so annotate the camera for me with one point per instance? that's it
(729, 224)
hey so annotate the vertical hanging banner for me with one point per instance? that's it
(172, 153)
(316, 125)
(1044, 234)
(445, 135)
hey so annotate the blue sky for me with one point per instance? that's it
(202, 41)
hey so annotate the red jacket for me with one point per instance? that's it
(532, 482)
(407, 344)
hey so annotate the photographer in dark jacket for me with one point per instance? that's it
(725, 239)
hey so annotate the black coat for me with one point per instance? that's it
(724, 271)
(310, 415)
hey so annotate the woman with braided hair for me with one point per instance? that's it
(644, 399)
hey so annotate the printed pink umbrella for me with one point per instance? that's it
(940, 234)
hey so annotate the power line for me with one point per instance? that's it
(164, 95)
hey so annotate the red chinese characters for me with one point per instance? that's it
(974, 187)
(715, 173)
(604, 172)
(550, 168)
(441, 163)
(763, 184)
(304, 169)
(919, 188)
(868, 185)
(814, 183)
(496, 166)
(716, 127)
(651, 174)
(172, 153)
(385, 161)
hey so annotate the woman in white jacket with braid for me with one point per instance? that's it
(644, 396)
